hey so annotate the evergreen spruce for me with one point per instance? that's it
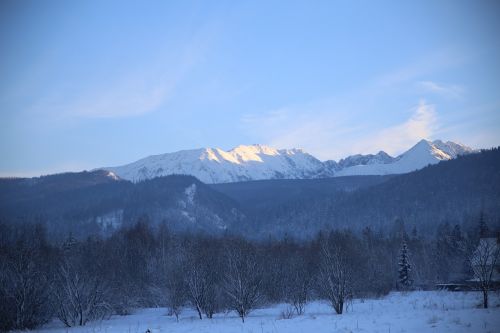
(69, 243)
(414, 233)
(404, 267)
(483, 227)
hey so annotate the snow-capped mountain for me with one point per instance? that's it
(425, 152)
(257, 162)
(380, 158)
(214, 165)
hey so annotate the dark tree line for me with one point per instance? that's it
(79, 281)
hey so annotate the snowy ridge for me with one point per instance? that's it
(257, 162)
(425, 152)
(214, 165)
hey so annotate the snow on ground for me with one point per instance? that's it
(422, 311)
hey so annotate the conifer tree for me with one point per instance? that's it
(483, 227)
(404, 270)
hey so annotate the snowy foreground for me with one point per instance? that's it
(413, 312)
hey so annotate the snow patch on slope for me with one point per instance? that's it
(190, 192)
(110, 221)
(112, 175)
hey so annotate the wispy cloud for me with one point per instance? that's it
(364, 120)
(272, 117)
(134, 94)
(336, 135)
(319, 127)
(133, 91)
(422, 124)
(439, 60)
(123, 101)
(449, 91)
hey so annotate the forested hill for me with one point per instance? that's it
(85, 203)
(262, 194)
(453, 192)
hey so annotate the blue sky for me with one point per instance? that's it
(85, 84)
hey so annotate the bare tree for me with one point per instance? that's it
(202, 277)
(211, 270)
(80, 290)
(196, 283)
(23, 290)
(242, 279)
(175, 293)
(335, 276)
(484, 263)
(297, 283)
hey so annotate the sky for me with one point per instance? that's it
(87, 84)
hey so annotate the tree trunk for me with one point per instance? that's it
(485, 298)
(199, 312)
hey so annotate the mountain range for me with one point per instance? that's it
(455, 191)
(260, 162)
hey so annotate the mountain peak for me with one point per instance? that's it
(424, 151)
(439, 149)
(424, 142)
(254, 149)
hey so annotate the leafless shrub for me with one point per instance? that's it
(287, 313)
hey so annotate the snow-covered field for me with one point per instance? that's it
(421, 311)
